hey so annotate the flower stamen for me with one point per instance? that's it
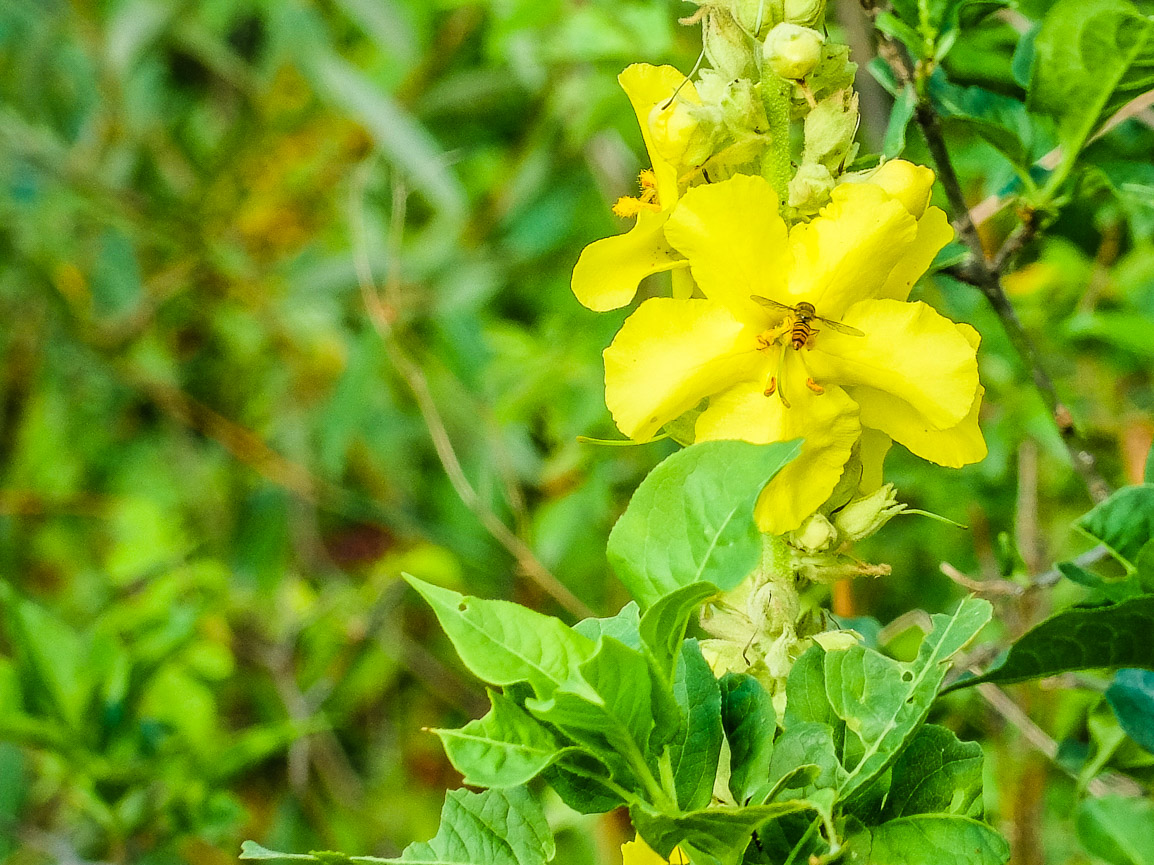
(814, 386)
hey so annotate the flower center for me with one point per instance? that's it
(627, 206)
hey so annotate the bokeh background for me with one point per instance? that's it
(284, 312)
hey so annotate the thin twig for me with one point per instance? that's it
(382, 313)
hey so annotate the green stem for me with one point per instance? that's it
(775, 163)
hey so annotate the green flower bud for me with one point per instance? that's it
(807, 13)
(810, 188)
(793, 51)
(815, 534)
(726, 45)
(830, 129)
(757, 17)
(862, 517)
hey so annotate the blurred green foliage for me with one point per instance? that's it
(217, 459)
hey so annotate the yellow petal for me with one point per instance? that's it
(827, 422)
(648, 87)
(608, 272)
(637, 852)
(907, 350)
(934, 232)
(908, 183)
(668, 356)
(955, 447)
(735, 241)
(872, 449)
(847, 252)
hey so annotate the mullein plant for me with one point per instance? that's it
(787, 357)
(788, 315)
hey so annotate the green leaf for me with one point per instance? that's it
(252, 850)
(1124, 522)
(578, 778)
(805, 696)
(928, 839)
(663, 626)
(1001, 121)
(1117, 829)
(1131, 696)
(696, 747)
(1148, 474)
(55, 658)
(1090, 58)
(1078, 639)
(722, 833)
(497, 827)
(506, 748)
(691, 519)
(607, 709)
(750, 722)
(504, 643)
(935, 773)
(807, 743)
(884, 702)
(625, 626)
(903, 112)
(1114, 591)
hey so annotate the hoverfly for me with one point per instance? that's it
(801, 335)
(802, 331)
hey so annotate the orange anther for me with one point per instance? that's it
(814, 386)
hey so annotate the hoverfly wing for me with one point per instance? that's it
(767, 302)
(840, 328)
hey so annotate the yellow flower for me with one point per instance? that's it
(608, 272)
(637, 852)
(804, 333)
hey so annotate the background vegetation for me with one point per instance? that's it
(286, 312)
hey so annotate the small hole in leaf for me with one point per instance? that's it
(907, 676)
(463, 607)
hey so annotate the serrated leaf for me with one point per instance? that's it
(504, 643)
(1131, 696)
(722, 833)
(750, 723)
(1124, 523)
(506, 748)
(1090, 58)
(696, 747)
(496, 827)
(935, 773)
(662, 628)
(624, 627)
(691, 519)
(607, 708)
(1118, 829)
(885, 705)
(1078, 639)
(928, 839)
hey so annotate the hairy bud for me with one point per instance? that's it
(793, 51)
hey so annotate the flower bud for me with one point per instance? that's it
(807, 13)
(815, 534)
(810, 188)
(862, 517)
(725, 43)
(837, 641)
(672, 126)
(793, 51)
(757, 17)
